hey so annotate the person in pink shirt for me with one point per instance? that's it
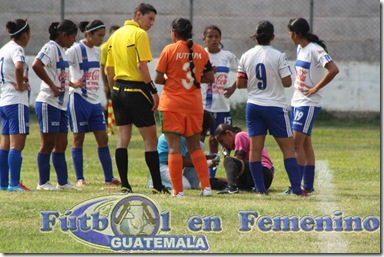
(237, 168)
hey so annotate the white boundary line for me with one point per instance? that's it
(331, 242)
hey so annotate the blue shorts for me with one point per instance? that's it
(260, 119)
(220, 117)
(14, 119)
(84, 116)
(51, 119)
(303, 118)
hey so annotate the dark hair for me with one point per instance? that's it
(113, 28)
(213, 27)
(17, 27)
(223, 127)
(65, 26)
(93, 26)
(144, 9)
(264, 33)
(183, 29)
(301, 27)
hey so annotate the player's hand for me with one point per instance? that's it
(56, 91)
(311, 91)
(229, 91)
(77, 84)
(155, 101)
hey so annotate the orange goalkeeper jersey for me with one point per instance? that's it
(179, 93)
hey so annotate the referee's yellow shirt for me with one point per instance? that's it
(128, 46)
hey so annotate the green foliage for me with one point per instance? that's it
(352, 154)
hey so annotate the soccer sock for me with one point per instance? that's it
(60, 164)
(121, 155)
(106, 162)
(4, 169)
(175, 166)
(231, 170)
(301, 175)
(293, 172)
(200, 163)
(77, 159)
(309, 177)
(257, 175)
(44, 167)
(14, 164)
(152, 160)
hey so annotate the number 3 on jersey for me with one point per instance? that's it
(261, 75)
(189, 77)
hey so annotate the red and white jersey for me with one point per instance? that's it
(53, 56)
(213, 93)
(10, 54)
(309, 67)
(264, 67)
(84, 64)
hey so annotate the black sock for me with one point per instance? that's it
(152, 160)
(121, 155)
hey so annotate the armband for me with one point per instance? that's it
(152, 87)
(241, 75)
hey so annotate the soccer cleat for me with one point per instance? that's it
(229, 190)
(68, 186)
(46, 186)
(288, 191)
(114, 181)
(20, 187)
(207, 191)
(81, 183)
(126, 190)
(164, 191)
(180, 194)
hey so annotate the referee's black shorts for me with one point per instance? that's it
(132, 104)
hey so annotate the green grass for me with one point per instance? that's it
(352, 152)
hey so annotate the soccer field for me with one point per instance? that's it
(347, 194)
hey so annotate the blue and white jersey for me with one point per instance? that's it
(53, 56)
(84, 64)
(264, 67)
(10, 54)
(213, 93)
(309, 67)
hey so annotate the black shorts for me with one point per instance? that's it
(245, 181)
(132, 104)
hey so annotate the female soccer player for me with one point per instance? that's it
(237, 168)
(51, 66)
(265, 71)
(314, 70)
(181, 67)
(85, 110)
(14, 104)
(215, 95)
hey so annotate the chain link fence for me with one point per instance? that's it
(350, 28)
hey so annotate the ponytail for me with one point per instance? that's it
(315, 39)
(191, 63)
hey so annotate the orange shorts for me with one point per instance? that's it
(185, 124)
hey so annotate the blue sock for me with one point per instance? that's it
(4, 169)
(212, 172)
(44, 167)
(301, 169)
(309, 177)
(293, 172)
(106, 162)
(257, 176)
(60, 164)
(77, 159)
(14, 163)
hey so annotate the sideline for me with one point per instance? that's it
(331, 242)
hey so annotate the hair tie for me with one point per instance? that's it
(12, 34)
(95, 28)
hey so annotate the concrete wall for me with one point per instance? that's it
(355, 89)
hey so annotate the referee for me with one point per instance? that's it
(134, 95)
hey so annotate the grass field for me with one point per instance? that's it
(348, 180)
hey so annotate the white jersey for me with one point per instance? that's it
(309, 66)
(10, 54)
(53, 56)
(213, 93)
(84, 64)
(264, 67)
